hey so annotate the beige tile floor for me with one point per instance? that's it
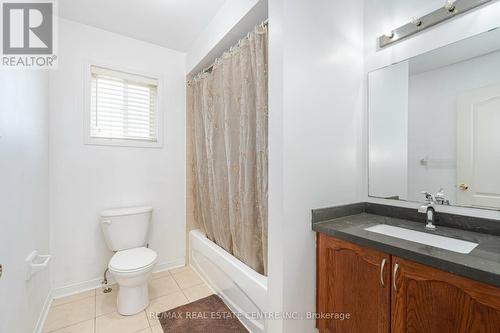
(95, 312)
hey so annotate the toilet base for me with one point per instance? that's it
(132, 300)
(133, 293)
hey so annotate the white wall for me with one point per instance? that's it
(382, 16)
(316, 85)
(86, 179)
(433, 120)
(24, 203)
(388, 131)
(208, 46)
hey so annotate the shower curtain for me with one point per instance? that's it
(228, 107)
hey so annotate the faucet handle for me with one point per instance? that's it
(429, 197)
(441, 198)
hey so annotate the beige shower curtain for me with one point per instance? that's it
(228, 109)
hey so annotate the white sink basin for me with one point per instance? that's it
(451, 244)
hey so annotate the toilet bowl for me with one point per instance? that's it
(132, 271)
(126, 233)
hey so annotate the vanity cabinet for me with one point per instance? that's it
(425, 299)
(384, 293)
(352, 280)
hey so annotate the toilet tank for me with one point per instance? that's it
(126, 228)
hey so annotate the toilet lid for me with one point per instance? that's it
(132, 259)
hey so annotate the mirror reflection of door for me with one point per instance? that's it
(478, 155)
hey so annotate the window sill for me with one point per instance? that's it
(122, 142)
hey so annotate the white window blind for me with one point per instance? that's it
(123, 105)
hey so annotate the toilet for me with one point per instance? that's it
(126, 233)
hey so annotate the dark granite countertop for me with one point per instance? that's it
(482, 264)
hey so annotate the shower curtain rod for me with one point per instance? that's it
(209, 68)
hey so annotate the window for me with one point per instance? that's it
(123, 108)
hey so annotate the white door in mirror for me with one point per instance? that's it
(478, 154)
(446, 243)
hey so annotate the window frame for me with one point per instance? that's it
(88, 139)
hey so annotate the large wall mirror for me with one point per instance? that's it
(434, 125)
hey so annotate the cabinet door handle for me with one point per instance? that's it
(396, 268)
(382, 267)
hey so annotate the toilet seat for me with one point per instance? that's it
(132, 260)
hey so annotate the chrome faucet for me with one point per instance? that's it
(429, 211)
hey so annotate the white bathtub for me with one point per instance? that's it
(242, 289)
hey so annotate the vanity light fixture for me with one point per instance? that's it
(451, 8)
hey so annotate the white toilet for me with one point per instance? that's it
(126, 233)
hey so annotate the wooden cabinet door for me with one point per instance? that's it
(352, 280)
(428, 300)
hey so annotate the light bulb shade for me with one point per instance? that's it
(450, 5)
(416, 21)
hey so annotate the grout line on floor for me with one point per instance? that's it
(149, 324)
(95, 311)
(77, 300)
(60, 328)
(182, 291)
(172, 275)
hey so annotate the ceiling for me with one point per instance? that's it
(174, 24)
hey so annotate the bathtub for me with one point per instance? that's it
(242, 289)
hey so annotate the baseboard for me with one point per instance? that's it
(160, 267)
(43, 314)
(97, 282)
(79, 287)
